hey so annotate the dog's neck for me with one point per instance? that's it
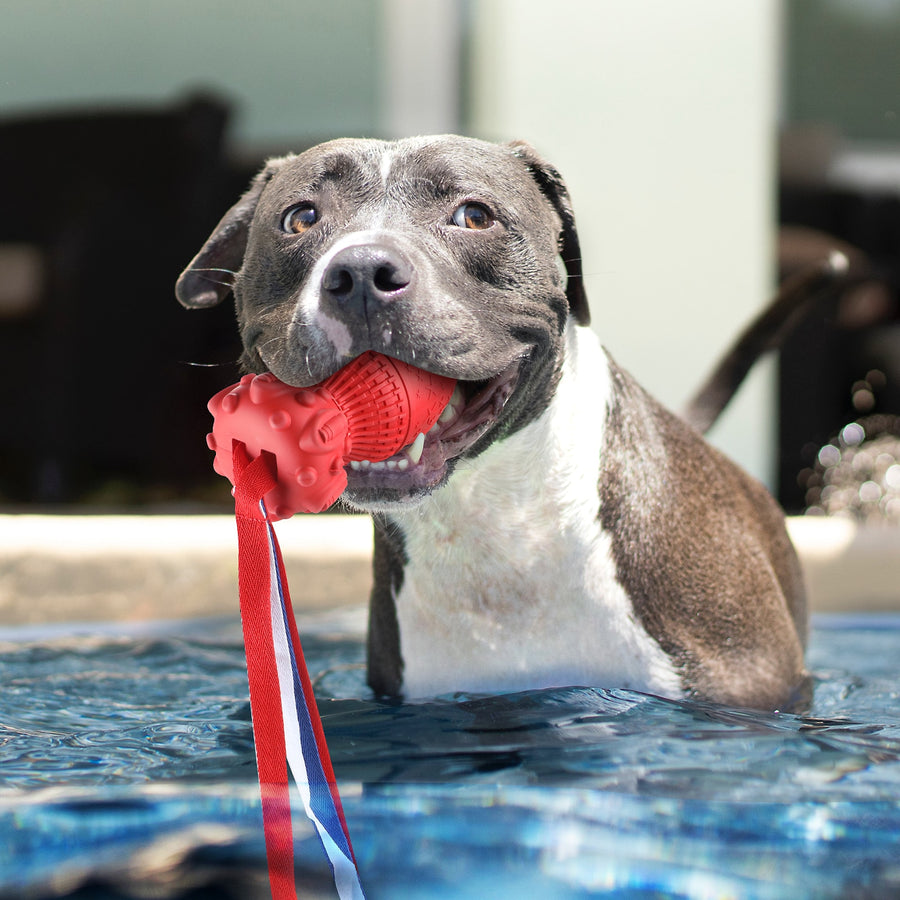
(529, 485)
(492, 503)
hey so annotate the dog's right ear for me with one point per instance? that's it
(209, 278)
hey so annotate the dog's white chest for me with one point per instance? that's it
(511, 584)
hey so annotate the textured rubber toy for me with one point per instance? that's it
(370, 409)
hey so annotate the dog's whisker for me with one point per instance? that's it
(596, 273)
(219, 281)
(270, 358)
(228, 281)
(213, 269)
(201, 365)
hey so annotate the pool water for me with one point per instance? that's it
(127, 770)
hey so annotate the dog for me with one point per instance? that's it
(558, 526)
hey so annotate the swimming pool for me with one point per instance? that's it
(127, 770)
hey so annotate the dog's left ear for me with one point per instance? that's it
(209, 277)
(554, 189)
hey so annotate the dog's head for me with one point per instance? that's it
(442, 252)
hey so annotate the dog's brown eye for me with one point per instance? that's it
(473, 215)
(299, 219)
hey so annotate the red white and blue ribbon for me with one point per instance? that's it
(287, 730)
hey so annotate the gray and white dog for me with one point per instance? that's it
(558, 526)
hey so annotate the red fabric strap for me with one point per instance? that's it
(253, 480)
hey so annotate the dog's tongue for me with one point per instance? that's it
(370, 409)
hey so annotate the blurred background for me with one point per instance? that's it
(710, 148)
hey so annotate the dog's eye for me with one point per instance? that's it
(473, 215)
(299, 219)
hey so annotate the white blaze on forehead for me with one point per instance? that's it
(387, 160)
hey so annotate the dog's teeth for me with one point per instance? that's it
(448, 413)
(403, 464)
(379, 466)
(414, 452)
(454, 404)
(392, 464)
(364, 464)
(355, 465)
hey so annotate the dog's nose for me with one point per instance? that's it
(365, 274)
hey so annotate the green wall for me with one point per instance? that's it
(296, 68)
(844, 65)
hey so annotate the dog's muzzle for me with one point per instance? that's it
(418, 469)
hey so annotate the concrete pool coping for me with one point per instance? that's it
(71, 568)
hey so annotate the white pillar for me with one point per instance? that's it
(661, 118)
(421, 65)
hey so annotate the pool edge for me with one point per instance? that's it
(57, 568)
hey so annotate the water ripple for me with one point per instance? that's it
(127, 769)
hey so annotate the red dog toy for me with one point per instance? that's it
(370, 409)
